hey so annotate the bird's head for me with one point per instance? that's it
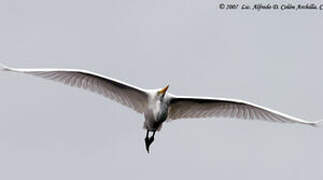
(162, 92)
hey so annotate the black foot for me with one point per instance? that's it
(148, 142)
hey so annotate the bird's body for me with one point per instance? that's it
(157, 111)
(158, 105)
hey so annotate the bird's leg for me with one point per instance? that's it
(152, 137)
(147, 141)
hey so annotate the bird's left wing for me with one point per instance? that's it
(126, 94)
(199, 107)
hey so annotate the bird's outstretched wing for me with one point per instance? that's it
(196, 107)
(126, 94)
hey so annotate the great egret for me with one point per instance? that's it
(156, 104)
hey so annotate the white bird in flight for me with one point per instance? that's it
(158, 105)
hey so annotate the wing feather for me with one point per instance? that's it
(199, 107)
(123, 93)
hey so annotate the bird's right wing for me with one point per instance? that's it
(201, 107)
(126, 94)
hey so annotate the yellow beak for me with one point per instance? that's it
(163, 91)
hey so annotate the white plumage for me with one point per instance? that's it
(157, 105)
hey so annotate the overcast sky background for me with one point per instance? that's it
(50, 131)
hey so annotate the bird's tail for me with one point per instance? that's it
(4, 67)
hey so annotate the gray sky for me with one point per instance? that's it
(50, 131)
